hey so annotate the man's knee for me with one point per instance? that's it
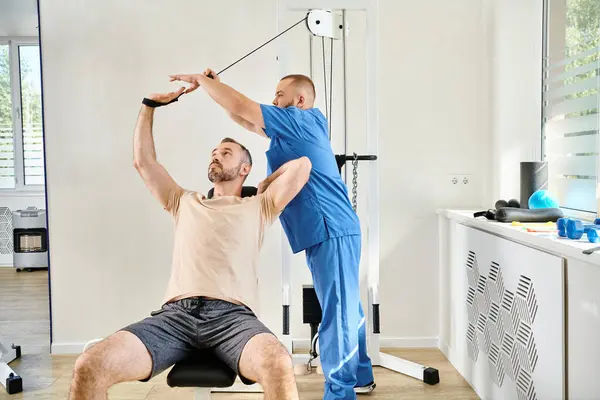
(277, 362)
(86, 364)
(87, 370)
(91, 369)
(282, 361)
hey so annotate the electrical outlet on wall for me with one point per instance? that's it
(460, 179)
(461, 191)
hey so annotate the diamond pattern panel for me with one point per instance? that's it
(6, 231)
(496, 365)
(472, 343)
(501, 326)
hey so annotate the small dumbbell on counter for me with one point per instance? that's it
(575, 229)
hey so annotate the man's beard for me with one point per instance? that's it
(223, 175)
(290, 103)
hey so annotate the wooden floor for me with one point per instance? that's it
(48, 378)
(24, 310)
(24, 320)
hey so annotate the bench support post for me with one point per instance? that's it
(202, 394)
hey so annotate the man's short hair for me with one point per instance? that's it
(246, 156)
(303, 81)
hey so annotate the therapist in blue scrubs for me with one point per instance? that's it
(320, 220)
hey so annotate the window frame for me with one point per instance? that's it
(13, 43)
(568, 212)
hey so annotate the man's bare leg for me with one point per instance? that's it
(266, 361)
(119, 358)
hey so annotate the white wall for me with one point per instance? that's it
(460, 96)
(18, 18)
(447, 96)
(514, 54)
(432, 128)
(110, 241)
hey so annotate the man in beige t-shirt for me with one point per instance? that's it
(211, 298)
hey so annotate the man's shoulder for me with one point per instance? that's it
(192, 197)
(311, 119)
(192, 194)
(294, 111)
(227, 201)
(312, 112)
(225, 205)
(315, 112)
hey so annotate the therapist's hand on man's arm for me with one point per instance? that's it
(228, 98)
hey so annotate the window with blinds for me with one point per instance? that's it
(31, 115)
(21, 133)
(7, 151)
(571, 101)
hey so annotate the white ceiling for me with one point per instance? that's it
(18, 18)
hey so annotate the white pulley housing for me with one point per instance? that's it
(325, 23)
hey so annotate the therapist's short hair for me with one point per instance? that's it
(304, 82)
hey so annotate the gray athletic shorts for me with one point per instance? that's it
(179, 328)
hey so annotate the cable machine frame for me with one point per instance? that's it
(378, 358)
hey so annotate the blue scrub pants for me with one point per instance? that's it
(334, 265)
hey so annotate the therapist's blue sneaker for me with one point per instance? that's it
(365, 389)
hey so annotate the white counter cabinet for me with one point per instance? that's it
(518, 310)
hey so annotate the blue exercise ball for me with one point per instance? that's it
(543, 199)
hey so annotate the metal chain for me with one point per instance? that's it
(354, 180)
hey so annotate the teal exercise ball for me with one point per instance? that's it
(543, 199)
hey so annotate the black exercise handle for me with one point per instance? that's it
(376, 318)
(286, 320)
(152, 103)
(341, 159)
(362, 158)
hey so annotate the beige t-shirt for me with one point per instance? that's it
(216, 247)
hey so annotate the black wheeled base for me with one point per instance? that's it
(10, 380)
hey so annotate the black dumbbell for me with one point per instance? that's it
(512, 203)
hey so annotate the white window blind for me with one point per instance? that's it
(7, 156)
(21, 133)
(31, 110)
(571, 102)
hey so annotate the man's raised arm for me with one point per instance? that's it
(285, 183)
(156, 177)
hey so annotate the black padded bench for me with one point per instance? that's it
(202, 370)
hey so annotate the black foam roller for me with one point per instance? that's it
(509, 214)
(534, 177)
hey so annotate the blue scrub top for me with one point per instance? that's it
(322, 209)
